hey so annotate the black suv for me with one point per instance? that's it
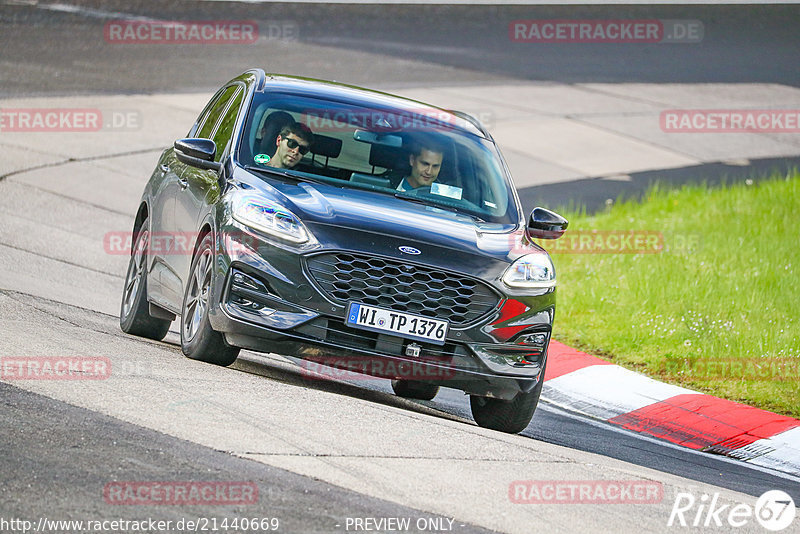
(349, 228)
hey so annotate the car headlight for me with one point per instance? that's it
(269, 217)
(531, 270)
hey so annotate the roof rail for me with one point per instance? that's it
(261, 78)
(472, 120)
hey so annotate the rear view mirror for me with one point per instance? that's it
(375, 138)
(546, 224)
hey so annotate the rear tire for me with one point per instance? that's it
(414, 389)
(507, 416)
(134, 311)
(198, 340)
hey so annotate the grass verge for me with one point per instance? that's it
(698, 287)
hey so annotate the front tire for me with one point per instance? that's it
(414, 389)
(134, 312)
(507, 416)
(198, 340)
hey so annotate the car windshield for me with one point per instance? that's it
(423, 155)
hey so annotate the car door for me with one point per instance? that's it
(171, 225)
(201, 187)
(162, 226)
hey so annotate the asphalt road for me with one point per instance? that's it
(62, 457)
(319, 451)
(58, 50)
(177, 420)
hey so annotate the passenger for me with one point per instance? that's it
(293, 142)
(273, 124)
(426, 162)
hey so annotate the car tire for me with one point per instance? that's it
(198, 340)
(414, 389)
(507, 416)
(134, 311)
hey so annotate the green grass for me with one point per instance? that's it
(716, 310)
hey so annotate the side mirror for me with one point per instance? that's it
(197, 153)
(546, 224)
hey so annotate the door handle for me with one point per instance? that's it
(183, 183)
(164, 168)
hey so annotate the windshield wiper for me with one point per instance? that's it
(413, 198)
(283, 172)
(432, 202)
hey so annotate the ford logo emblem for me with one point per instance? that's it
(409, 250)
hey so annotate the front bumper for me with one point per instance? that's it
(265, 300)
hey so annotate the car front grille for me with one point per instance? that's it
(410, 288)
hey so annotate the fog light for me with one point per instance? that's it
(516, 355)
(245, 281)
(249, 294)
(532, 339)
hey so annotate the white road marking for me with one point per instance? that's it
(606, 391)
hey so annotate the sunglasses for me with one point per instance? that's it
(292, 144)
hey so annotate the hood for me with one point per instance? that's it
(335, 210)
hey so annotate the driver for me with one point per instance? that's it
(426, 162)
(293, 142)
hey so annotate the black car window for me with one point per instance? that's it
(204, 114)
(369, 146)
(223, 134)
(210, 120)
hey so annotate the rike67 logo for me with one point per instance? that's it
(775, 510)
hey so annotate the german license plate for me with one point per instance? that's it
(398, 323)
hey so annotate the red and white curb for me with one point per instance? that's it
(586, 384)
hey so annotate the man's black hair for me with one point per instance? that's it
(425, 142)
(300, 130)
